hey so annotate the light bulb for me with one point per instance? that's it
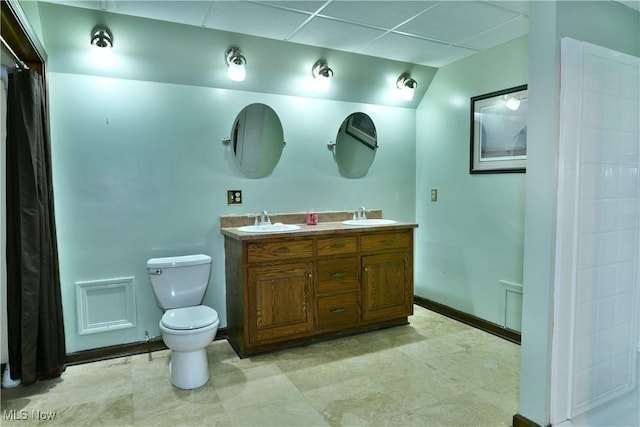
(237, 72)
(406, 93)
(513, 104)
(236, 65)
(322, 75)
(406, 87)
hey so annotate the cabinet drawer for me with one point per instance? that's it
(274, 251)
(341, 310)
(376, 242)
(338, 274)
(337, 245)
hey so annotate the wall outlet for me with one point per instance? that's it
(234, 197)
(434, 194)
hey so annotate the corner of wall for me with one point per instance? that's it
(32, 14)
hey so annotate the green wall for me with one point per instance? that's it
(472, 237)
(605, 23)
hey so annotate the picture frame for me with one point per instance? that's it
(499, 131)
(361, 127)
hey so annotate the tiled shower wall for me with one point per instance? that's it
(599, 169)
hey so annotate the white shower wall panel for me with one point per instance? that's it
(607, 236)
(598, 217)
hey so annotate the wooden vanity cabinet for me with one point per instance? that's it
(288, 290)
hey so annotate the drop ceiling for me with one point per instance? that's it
(368, 44)
(430, 33)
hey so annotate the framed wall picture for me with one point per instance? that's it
(499, 131)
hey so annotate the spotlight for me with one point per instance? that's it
(407, 86)
(101, 37)
(236, 62)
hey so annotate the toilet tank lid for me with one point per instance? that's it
(178, 261)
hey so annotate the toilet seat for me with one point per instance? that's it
(189, 318)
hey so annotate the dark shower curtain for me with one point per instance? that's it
(34, 306)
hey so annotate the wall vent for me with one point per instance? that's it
(511, 305)
(105, 305)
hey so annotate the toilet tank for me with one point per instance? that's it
(179, 281)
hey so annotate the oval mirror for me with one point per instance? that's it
(257, 140)
(356, 145)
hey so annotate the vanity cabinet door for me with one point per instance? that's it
(387, 286)
(279, 301)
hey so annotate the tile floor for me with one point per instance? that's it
(433, 372)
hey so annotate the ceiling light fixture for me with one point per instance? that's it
(322, 74)
(407, 86)
(101, 37)
(236, 62)
(512, 103)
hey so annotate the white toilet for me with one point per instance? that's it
(179, 284)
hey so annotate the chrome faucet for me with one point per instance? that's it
(264, 218)
(360, 213)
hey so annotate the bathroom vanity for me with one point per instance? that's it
(289, 288)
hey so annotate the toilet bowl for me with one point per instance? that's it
(187, 331)
(179, 284)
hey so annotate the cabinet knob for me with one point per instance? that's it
(366, 269)
(283, 250)
(338, 245)
(309, 275)
(338, 275)
(338, 310)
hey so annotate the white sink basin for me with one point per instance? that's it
(268, 228)
(369, 222)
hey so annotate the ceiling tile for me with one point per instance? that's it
(445, 56)
(335, 34)
(401, 48)
(190, 12)
(183, 12)
(519, 6)
(86, 4)
(457, 20)
(306, 6)
(508, 31)
(255, 19)
(386, 14)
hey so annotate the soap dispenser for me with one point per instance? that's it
(312, 217)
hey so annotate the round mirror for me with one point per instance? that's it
(257, 140)
(356, 145)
